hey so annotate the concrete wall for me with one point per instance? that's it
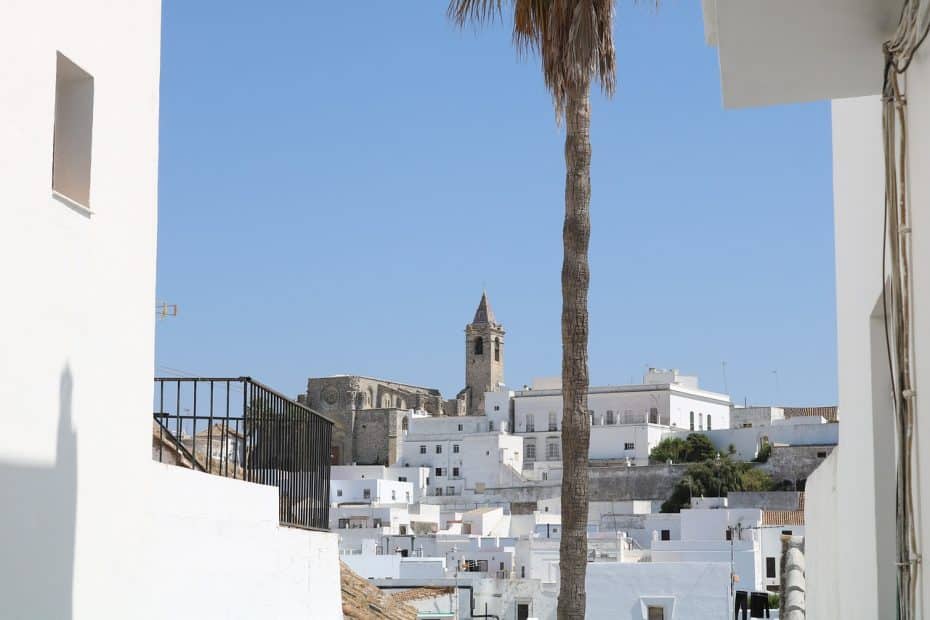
(687, 591)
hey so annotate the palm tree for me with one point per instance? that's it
(574, 39)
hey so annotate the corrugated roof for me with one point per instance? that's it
(828, 413)
(782, 517)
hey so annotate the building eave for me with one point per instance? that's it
(791, 51)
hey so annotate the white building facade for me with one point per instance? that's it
(91, 526)
(627, 421)
(775, 53)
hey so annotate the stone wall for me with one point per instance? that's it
(795, 463)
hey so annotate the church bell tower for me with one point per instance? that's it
(484, 356)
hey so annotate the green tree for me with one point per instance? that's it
(574, 39)
(699, 448)
(695, 448)
(672, 449)
(754, 479)
(710, 478)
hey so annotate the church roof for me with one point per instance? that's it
(484, 314)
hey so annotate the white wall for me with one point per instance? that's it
(251, 567)
(77, 355)
(687, 591)
(90, 526)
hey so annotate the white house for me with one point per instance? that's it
(465, 454)
(784, 52)
(91, 527)
(627, 421)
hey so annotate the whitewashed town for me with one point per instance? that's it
(133, 489)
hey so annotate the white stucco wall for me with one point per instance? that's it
(252, 566)
(90, 526)
(687, 591)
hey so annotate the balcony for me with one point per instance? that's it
(241, 429)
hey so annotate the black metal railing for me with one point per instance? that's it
(239, 428)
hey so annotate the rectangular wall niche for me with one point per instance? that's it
(74, 120)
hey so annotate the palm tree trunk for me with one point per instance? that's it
(576, 428)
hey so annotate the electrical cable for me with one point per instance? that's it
(897, 298)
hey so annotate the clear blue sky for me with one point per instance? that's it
(338, 180)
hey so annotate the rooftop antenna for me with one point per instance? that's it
(164, 310)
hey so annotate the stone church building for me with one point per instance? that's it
(372, 414)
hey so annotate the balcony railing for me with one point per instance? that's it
(239, 428)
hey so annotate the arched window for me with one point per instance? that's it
(404, 424)
(692, 421)
(497, 349)
(479, 346)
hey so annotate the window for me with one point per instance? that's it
(455, 448)
(729, 534)
(422, 449)
(338, 492)
(438, 491)
(701, 421)
(692, 421)
(497, 349)
(490, 425)
(439, 472)
(460, 427)
(479, 346)
(455, 472)
(629, 445)
(708, 422)
(655, 613)
(393, 495)
(665, 535)
(545, 476)
(343, 524)
(531, 450)
(530, 423)
(653, 415)
(553, 426)
(74, 121)
(402, 478)
(497, 407)
(366, 493)
(408, 501)
(404, 424)
(610, 417)
(438, 449)
(450, 490)
(591, 417)
(770, 568)
(553, 450)
(786, 532)
(822, 455)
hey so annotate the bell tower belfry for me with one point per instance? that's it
(484, 356)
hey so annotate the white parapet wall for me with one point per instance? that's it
(219, 552)
(683, 590)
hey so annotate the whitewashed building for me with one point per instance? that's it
(464, 454)
(91, 527)
(627, 421)
(786, 52)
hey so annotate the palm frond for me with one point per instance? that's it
(574, 39)
(462, 12)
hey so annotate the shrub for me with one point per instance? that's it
(711, 478)
(693, 449)
(764, 453)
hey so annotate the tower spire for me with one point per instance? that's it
(484, 314)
